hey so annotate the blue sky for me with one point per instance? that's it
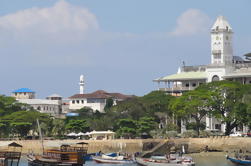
(120, 46)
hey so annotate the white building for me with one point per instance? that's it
(96, 100)
(52, 105)
(224, 66)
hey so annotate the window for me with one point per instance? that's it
(227, 28)
(217, 28)
(194, 84)
(187, 85)
(217, 37)
(218, 126)
(217, 56)
(215, 78)
(77, 101)
(226, 37)
(82, 101)
(73, 101)
(24, 93)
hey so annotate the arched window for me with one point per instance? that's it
(215, 78)
(38, 108)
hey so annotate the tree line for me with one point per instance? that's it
(153, 115)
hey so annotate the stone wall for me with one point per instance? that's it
(139, 145)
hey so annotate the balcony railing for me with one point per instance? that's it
(175, 89)
(216, 51)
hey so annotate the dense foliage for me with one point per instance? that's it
(153, 115)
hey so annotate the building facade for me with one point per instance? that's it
(23, 93)
(224, 66)
(52, 105)
(96, 100)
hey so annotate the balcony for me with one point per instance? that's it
(216, 51)
(177, 89)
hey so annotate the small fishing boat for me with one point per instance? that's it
(90, 156)
(241, 160)
(113, 160)
(182, 161)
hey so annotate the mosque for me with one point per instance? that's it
(224, 66)
(96, 100)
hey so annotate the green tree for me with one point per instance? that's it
(109, 104)
(127, 128)
(228, 103)
(77, 126)
(21, 128)
(193, 104)
(145, 125)
(58, 127)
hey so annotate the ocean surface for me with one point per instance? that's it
(201, 159)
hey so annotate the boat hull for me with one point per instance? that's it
(112, 161)
(35, 162)
(147, 162)
(239, 161)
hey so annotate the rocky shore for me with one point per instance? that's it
(192, 145)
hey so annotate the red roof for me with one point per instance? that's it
(101, 94)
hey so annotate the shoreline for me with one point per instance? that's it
(192, 145)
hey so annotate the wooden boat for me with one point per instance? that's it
(175, 162)
(113, 160)
(246, 160)
(65, 156)
(12, 155)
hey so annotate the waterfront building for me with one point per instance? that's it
(52, 105)
(224, 66)
(23, 93)
(96, 100)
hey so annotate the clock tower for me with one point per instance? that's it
(221, 43)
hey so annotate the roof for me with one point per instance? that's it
(184, 76)
(222, 24)
(55, 95)
(99, 132)
(23, 90)
(101, 94)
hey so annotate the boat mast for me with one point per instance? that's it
(40, 135)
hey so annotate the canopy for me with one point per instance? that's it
(14, 144)
(72, 134)
(80, 134)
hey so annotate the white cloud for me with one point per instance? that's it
(192, 22)
(62, 17)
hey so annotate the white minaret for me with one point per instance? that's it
(221, 42)
(81, 84)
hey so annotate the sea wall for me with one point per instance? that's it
(138, 145)
(218, 143)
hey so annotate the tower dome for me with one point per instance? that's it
(221, 24)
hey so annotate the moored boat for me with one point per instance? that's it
(113, 160)
(90, 156)
(183, 161)
(65, 156)
(243, 160)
